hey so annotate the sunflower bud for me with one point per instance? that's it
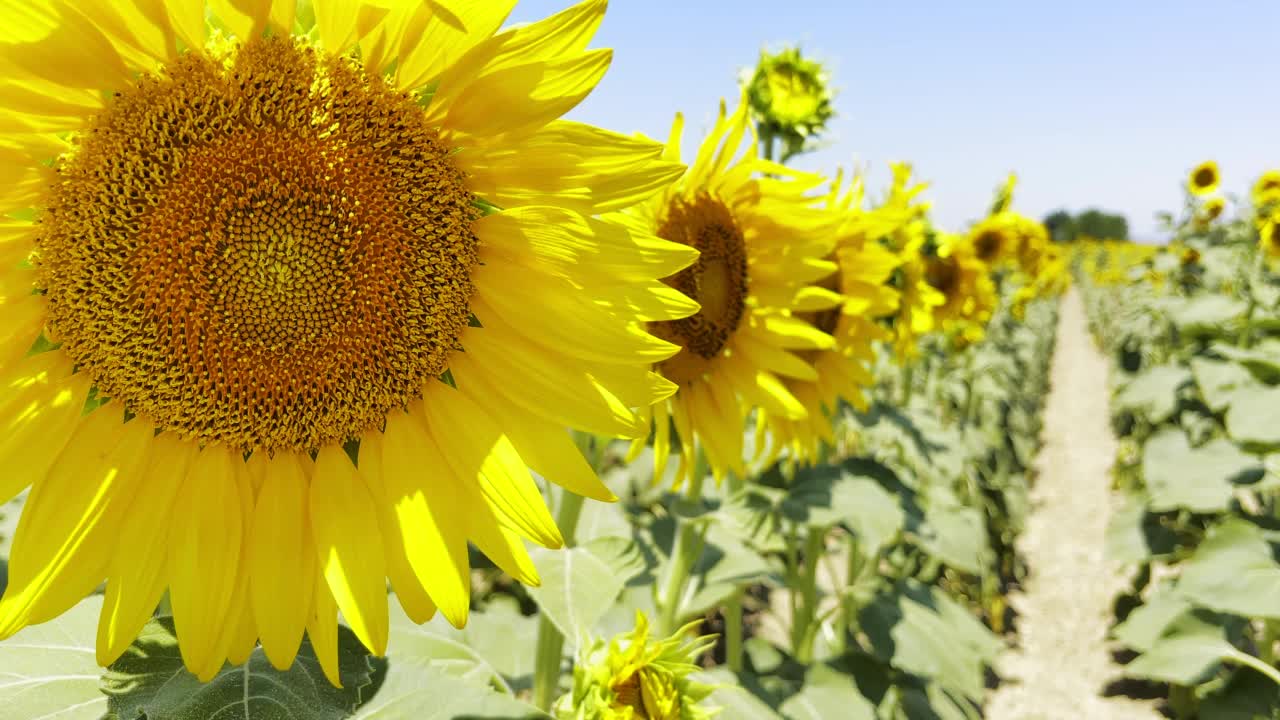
(790, 98)
(632, 678)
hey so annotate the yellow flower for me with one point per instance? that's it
(763, 241)
(271, 246)
(917, 297)
(634, 678)
(1204, 179)
(1269, 237)
(969, 295)
(791, 96)
(1266, 191)
(994, 239)
(865, 267)
(1212, 208)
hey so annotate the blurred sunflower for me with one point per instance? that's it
(1266, 191)
(1212, 208)
(1269, 237)
(1204, 179)
(964, 281)
(995, 239)
(763, 241)
(271, 233)
(842, 373)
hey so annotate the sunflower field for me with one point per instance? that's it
(343, 376)
(1193, 329)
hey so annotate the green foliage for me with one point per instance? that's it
(1063, 227)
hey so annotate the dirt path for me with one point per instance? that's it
(1062, 662)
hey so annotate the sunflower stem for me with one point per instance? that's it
(685, 549)
(804, 600)
(549, 645)
(733, 631)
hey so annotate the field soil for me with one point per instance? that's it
(1061, 659)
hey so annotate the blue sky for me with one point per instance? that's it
(1092, 102)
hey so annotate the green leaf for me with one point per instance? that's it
(1153, 393)
(1254, 420)
(952, 532)
(1198, 479)
(1220, 381)
(827, 694)
(1149, 621)
(482, 652)
(149, 681)
(1209, 315)
(1233, 571)
(1263, 359)
(913, 637)
(733, 700)
(1247, 695)
(580, 584)
(49, 670)
(416, 691)
(1181, 659)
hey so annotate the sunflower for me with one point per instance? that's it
(917, 298)
(1204, 179)
(634, 677)
(1266, 191)
(293, 305)
(969, 295)
(791, 95)
(995, 238)
(1269, 237)
(763, 241)
(842, 373)
(1212, 208)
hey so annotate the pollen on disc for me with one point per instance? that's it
(261, 246)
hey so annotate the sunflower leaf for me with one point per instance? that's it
(149, 681)
(49, 670)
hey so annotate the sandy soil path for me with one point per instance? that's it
(1061, 661)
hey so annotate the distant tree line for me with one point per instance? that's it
(1064, 227)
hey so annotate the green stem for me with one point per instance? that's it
(908, 375)
(549, 646)
(733, 631)
(1250, 661)
(804, 600)
(685, 549)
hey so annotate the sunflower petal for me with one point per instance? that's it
(281, 560)
(136, 580)
(349, 546)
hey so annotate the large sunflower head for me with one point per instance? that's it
(294, 298)
(764, 239)
(1204, 178)
(791, 96)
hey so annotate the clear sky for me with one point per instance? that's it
(1093, 102)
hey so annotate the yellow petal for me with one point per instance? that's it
(56, 42)
(431, 516)
(541, 383)
(322, 630)
(69, 526)
(281, 559)
(523, 98)
(480, 452)
(136, 579)
(349, 546)
(41, 403)
(545, 446)
(205, 545)
(409, 591)
(343, 23)
(443, 32)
